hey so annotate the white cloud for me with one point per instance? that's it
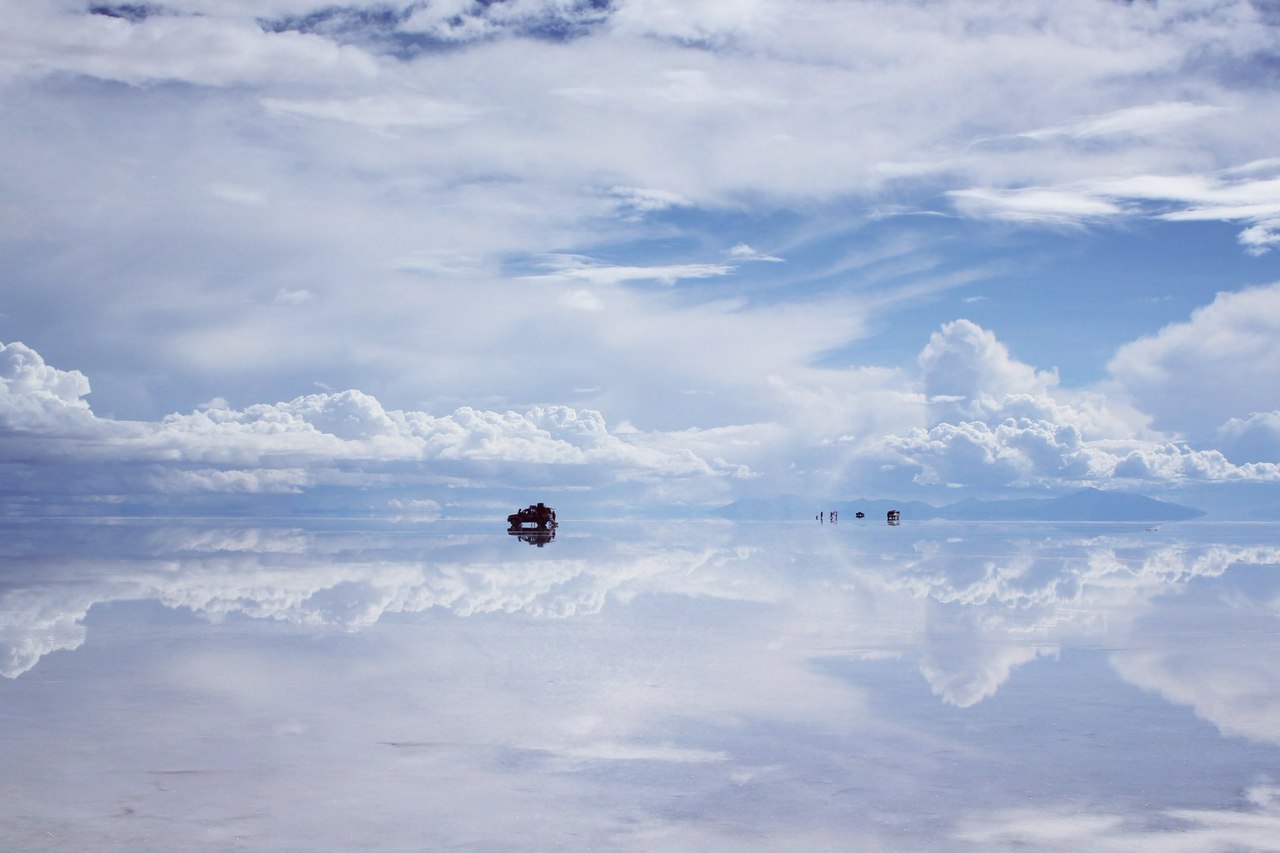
(1030, 452)
(462, 20)
(581, 300)
(284, 447)
(1259, 239)
(236, 194)
(716, 22)
(210, 50)
(221, 481)
(968, 372)
(36, 397)
(1142, 120)
(1235, 194)
(1010, 453)
(996, 421)
(1035, 206)
(1225, 358)
(379, 112)
(743, 252)
(301, 296)
(635, 202)
(1255, 438)
(1252, 825)
(578, 268)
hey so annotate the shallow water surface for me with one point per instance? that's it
(173, 685)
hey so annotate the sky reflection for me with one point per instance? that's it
(703, 685)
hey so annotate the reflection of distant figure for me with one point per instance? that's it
(819, 517)
(834, 515)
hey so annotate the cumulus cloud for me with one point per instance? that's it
(1255, 438)
(968, 372)
(281, 447)
(1037, 452)
(1009, 453)
(354, 425)
(1226, 357)
(35, 396)
(997, 421)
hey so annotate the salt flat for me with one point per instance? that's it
(178, 684)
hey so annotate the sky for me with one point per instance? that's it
(433, 257)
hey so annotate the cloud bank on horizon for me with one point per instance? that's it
(652, 251)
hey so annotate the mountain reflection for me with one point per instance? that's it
(967, 605)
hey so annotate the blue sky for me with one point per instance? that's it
(439, 254)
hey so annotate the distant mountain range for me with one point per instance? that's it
(1084, 505)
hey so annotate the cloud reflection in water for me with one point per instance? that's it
(712, 684)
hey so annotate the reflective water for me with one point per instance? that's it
(172, 685)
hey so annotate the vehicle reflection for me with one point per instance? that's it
(534, 537)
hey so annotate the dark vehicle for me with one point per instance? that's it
(536, 517)
(894, 517)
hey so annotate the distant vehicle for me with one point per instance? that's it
(894, 517)
(859, 514)
(534, 518)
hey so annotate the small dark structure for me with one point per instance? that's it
(859, 514)
(534, 537)
(894, 517)
(537, 517)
